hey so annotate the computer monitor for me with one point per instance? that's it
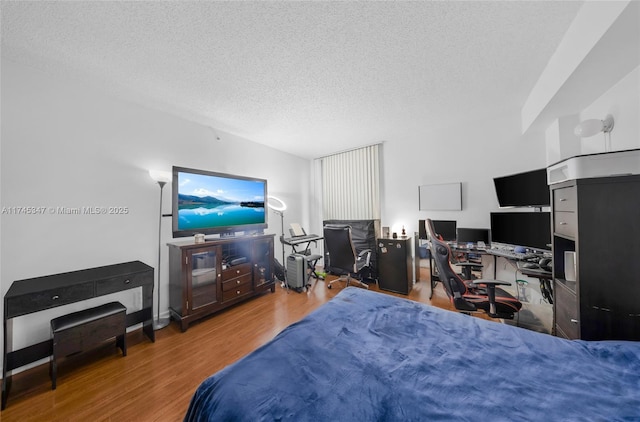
(472, 235)
(528, 189)
(528, 229)
(446, 229)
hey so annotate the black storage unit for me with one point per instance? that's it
(395, 265)
(364, 234)
(597, 221)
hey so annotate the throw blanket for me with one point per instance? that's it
(367, 356)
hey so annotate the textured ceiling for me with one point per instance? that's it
(309, 78)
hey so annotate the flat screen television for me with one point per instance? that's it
(528, 189)
(216, 203)
(528, 229)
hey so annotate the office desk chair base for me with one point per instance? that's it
(348, 279)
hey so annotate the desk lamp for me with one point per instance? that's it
(161, 177)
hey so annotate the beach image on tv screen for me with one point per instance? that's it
(206, 201)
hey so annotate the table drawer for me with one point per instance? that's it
(565, 199)
(236, 282)
(238, 291)
(236, 271)
(123, 282)
(565, 223)
(34, 302)
(566, 308)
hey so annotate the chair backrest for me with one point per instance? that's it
(441, 253)
(342, 253)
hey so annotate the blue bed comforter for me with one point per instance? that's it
(367, 356)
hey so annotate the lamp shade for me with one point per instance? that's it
(592, 127)
(160, 176)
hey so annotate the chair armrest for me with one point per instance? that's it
(468, 264)
(362, 254)
(490, 282)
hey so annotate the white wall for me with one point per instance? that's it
(65, 145)
(472, 154)
(622, 101)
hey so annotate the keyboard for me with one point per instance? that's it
(301, 239)
(516, 256)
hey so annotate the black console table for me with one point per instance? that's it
(37, 294)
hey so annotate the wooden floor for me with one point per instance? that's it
(155, 381)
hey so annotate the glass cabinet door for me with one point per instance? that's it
(263, 262)
(204, 277)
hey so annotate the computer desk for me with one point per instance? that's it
(542, 275)
(537, 311)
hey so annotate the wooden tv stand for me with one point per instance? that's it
(205, 278)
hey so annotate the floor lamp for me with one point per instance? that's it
(162, 178)
(279, 207)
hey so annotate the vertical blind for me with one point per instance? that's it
(351, 185)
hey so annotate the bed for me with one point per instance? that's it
(368, 356)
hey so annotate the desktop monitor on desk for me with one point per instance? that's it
(472, 235)
(528, 229)
(446, 229)
(527, 189)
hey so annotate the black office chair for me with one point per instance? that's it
(341, 254)
(470, 295)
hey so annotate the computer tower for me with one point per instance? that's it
(296, 274)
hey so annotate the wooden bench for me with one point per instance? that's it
(86, 329)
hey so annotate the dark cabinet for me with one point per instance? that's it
(596, 232)
(395, 264)
(207, 277)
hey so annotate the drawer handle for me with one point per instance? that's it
(237, 281)
(562, 223)
(237, 271)
(237, 292)
(563, 199)
(127, 281)
(575, 321)
(56, 297)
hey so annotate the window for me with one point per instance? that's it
(351, 185)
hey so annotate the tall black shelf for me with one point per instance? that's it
(599, 220)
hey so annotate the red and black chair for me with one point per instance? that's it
(470, 295)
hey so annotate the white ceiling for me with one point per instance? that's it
(309, 78)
